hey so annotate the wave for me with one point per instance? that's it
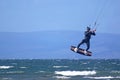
(6, 78)
(40, 72)
(105, 77)
(60, 66)
(75, 73)
(61, 77)
(15, 72)
(115, 71)
(23, 67)
(14, 63)
(6, 67)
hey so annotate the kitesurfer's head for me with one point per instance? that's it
(88, 28)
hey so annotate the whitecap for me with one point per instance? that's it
(40, 72)
(13, 72)
(60, 66)
(85, 63)
(5, 67)
(75, 73)
(104, 77)
(14, 63)
(6, 78)
(23, 67)
(115, 71)
(61, 77)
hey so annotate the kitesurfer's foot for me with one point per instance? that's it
(76, 49)
(85, 52)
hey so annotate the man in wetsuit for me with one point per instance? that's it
(87, 38)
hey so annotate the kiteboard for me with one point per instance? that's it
(81, 51)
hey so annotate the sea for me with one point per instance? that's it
(60, 69)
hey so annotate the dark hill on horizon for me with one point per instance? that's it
(56, 45)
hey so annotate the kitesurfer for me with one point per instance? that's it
(87, 38)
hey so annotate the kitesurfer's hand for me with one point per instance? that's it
(94, 30)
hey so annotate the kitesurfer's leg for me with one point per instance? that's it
(83, 41)
(88, 45)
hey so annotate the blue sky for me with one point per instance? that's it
(57, 15)
(44, 15)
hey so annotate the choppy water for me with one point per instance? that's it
(62, 69)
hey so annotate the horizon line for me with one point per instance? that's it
(53, 31)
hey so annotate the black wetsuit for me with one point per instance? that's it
(87, 39)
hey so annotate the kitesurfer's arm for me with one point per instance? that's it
(93, 32)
